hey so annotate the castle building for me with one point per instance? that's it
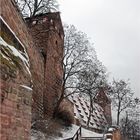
(48, 36)
(100, 118)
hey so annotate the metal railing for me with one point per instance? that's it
(77, 135)
(92, 138)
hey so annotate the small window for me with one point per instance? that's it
(79, 110)
(86, 113)
(84, 121)
(34, 22)
(82, 115)
(56, 42)
(84, 108)
(2, 98)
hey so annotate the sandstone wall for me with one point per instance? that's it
(116, 135)
(104, 101)
(47, 32)
(16, 98)
(17, 24)
(31, 94)
(68, 107)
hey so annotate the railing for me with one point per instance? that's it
(92, 138)
(77, 135)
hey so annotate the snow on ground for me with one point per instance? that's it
(37, 135)
(26, 87)
(88, 133)
(67, 132)
(70, 132)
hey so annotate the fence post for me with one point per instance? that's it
(80, 131)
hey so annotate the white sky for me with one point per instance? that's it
(114, 28)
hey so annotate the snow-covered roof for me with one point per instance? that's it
(81, 112)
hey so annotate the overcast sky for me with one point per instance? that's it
(114, 28)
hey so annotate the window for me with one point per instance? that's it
(91, 123)
(79, 110)
(56, 42)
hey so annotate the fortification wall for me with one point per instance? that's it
(17, 107)
(47, 32)
(11, 15)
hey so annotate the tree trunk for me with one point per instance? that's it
(90, 111)
(118, 113)
(118, 118)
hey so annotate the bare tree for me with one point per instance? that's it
(91, 79)
(121, 95)
(130, 123)
(76, 56)
(83, 72)
(30, 8)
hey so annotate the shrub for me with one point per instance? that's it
(65, 116)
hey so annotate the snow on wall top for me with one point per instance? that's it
(8, 49)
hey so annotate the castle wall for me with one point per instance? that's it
(68, 107)
(18, 25)
(47, 32)
(16, 85)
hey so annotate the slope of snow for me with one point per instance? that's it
(27, 87)
(37, 135)
(70, 132)
(67, 132)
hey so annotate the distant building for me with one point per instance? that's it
(100, 117)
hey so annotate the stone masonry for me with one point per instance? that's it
(47, 32)
(105, 102)
(15, 85)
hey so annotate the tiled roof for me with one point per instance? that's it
(81, 112)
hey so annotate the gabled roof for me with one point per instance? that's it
(102, 96)
(81, 112)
